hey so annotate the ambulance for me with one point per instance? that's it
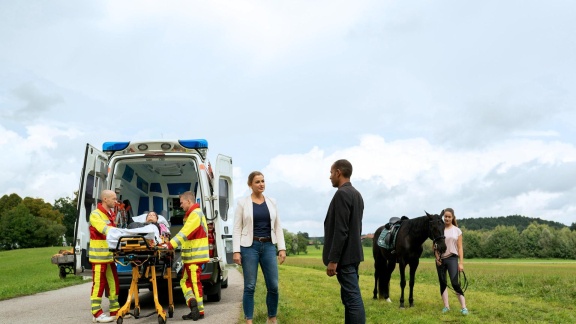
(150, 176)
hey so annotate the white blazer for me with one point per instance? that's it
(244, 224)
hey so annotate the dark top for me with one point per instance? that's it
(261, 217)
(343, 227)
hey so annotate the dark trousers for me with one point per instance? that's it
(350, 294)
(450, 265)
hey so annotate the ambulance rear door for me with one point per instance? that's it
(93, 180)
(223, 199)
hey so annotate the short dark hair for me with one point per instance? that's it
(344, 166)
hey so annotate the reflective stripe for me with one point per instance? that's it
(195, 249)
(100, 257)
(91, 249)
(105, 229)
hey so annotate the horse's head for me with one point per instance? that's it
(436, 231)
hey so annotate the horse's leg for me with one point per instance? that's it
(377, 266)
(385, 280)
(413, 266)
(402, 268)
(375, 292)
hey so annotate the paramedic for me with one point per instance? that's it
(193, 239)
(104, 275)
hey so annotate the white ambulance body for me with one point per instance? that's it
(150, 176)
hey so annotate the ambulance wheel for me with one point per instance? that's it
(170, 311)
(119, 320)
(62, 273)
(161, 320)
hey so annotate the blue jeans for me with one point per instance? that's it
(347, 276)
(263, 253)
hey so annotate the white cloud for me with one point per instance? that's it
(477, 117)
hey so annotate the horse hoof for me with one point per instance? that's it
(388, 300)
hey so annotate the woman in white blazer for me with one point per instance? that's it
(257, 231)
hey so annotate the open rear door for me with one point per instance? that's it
(92, 182)
(223, 201)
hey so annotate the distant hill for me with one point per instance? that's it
(489, 223)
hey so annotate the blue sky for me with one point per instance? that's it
(437, 104)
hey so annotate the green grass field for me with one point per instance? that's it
(499, 291)
(29, 271)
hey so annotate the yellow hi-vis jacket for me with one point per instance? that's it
(193, 237)
(100, 223)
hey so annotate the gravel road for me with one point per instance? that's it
(72, 305)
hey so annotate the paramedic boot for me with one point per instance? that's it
(103, 319)
(194, 311)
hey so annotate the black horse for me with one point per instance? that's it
(409, 240)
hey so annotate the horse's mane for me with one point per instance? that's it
(417, 227)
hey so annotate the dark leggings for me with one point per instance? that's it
(449, 264)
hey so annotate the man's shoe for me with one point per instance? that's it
(464, 311)
(103, 319)
(194, 311)
(445, 310)
(189, 317)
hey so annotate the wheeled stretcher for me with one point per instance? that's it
(144, 257)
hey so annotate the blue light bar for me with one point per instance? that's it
(114, 146)
(194, 143)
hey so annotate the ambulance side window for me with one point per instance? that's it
(89, 195)
(223, 199)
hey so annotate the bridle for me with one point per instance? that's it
(434, 239)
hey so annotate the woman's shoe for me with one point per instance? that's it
(464, 311)
(445, 310)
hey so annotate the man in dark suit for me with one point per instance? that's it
(343, 252)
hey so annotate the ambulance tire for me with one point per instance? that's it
(216, 292)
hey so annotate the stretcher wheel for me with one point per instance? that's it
(161, 320)
(170, 311)
(62, 272)
(119, 320)
(136, 312)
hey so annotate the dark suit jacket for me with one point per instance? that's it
(343, 227)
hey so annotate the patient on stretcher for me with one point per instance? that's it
(154, 227)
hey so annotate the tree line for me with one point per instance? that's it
(538, 239)
(32, 222)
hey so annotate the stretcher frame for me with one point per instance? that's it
(136, 251)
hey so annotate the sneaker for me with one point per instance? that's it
(189, 317)
(445, 310)
(103, 319)
(194, 311)
(464, 311)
